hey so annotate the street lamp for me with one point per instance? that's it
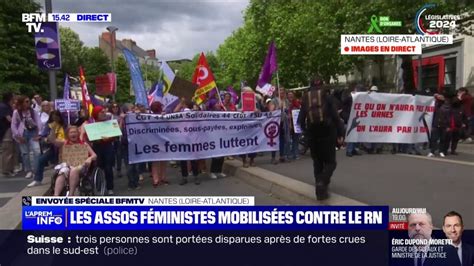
(112, 30)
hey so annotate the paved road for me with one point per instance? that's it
(398, 181)
(228, 186)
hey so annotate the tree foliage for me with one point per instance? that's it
(307, 36)
(19, 72)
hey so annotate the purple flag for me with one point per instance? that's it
(269, 67)
(233, 94)
(66, 87)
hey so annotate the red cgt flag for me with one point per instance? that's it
(204, 78)
(86, 100)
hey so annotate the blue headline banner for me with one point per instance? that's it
(205, 218)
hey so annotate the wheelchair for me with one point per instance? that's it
(91, 182)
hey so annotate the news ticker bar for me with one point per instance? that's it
(141, 201)
(204, 217)
(66, 17)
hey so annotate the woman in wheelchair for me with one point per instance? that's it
(70, 174)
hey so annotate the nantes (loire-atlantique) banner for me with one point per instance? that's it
(200, 135)
(389, 118)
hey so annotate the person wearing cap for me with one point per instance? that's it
(320, 122)
(104, 149)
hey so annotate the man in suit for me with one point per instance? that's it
(420, 226)
(453, 227)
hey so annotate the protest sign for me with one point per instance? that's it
(105, 84)
(248, 101)
(296, 127)
(74, 155)
(106, 129)
(389, 118)
(67, 105)
(267, 90)
(200, 135)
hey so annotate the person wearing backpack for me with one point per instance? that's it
(25, 130)
(320, 123)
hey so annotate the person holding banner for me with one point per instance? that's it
(132, 169)
(158, 168)
(282, 103)
(320, 121)
(54, 139)
(68, 173)
(115, 111)
(218, 162)
(104, 149)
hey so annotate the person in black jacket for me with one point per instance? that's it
(320, 123)
(439, 131)
(457, 122)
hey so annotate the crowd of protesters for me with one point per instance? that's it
(453, 122)
(31, 133)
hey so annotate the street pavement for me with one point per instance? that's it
(227, 186)
(438, 184)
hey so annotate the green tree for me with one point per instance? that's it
(18, 68)
(307, 36)
(95, 63)
(71, 50)
(123, 81)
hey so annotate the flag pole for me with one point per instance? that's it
(220, 100)
(278, 90)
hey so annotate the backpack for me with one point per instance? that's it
(29, 124)
(317, 109)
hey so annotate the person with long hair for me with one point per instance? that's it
(67, 173)
(54, 140)
(25, 129)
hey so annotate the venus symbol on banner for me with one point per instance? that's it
(271, 132)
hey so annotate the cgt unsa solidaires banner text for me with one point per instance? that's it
(200, 135)
(390, 118)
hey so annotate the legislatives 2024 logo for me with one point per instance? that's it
(426, 23)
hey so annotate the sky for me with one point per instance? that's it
(176, 29)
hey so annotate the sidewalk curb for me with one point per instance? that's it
(11, 213)
(289, 189)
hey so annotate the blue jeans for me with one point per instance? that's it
(350, 147)
(43, 160)
(26, 148)
(295, 138)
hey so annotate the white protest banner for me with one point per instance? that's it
(389, 118)
(295, 113)
(200, 135)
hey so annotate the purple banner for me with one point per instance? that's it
(48, 51)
